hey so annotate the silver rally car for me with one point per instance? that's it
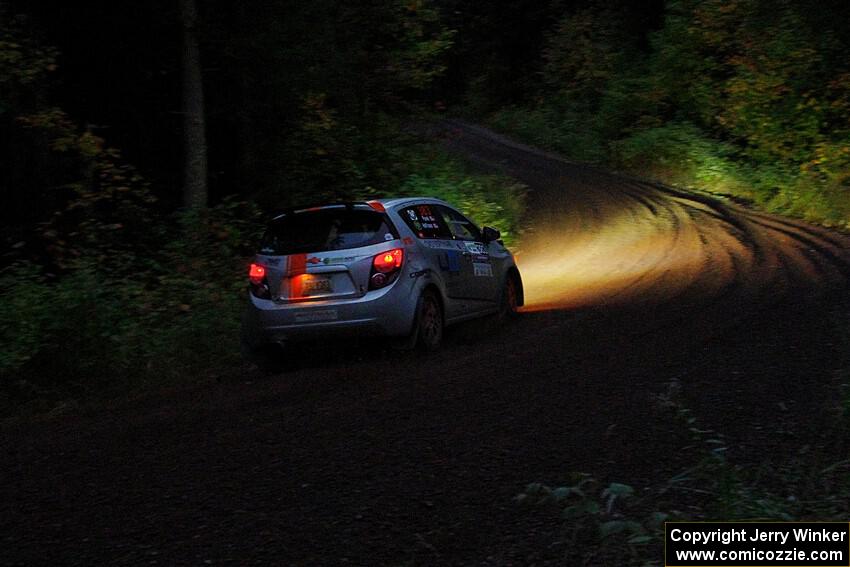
(397, 268)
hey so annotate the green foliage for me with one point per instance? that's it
(680, 154)
(23, 314)
(188, 309)
(320, 82)
(103, 202)
(747, 97)
(601, 526)
(625, 526)
(344, 162)
(110, 292)
(336, 159)
(97, 331)
(68, 332)
(24, 65)
(584, 52)
(489, 200)
(423, 41)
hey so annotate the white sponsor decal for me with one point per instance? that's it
(316, 316)
(482, 269)
(437, 243)
(475, 247)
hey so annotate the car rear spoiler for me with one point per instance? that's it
(374, 205)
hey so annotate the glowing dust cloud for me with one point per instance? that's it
(623, 259)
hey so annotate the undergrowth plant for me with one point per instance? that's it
(618, 524)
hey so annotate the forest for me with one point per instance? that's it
(145, 143)
(744, 98)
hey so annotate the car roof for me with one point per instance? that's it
(388, 204)
(399, 202)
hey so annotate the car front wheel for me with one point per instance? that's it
(509, 301)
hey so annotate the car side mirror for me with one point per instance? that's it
(490, 234)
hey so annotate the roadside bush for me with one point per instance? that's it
(188, 313)
(60, 337)
(680, 154)
(601, 526)
(23, 315)
(814, 202)
(490, 200)
(623, 525)
(749, 98)
(97, 332)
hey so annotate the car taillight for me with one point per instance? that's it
(388, 261)
(259, 284)
(256, 273)
(385, 268)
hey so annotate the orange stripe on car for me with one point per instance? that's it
(296, 264)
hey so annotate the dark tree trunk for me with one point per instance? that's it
(245, 137)
(194, 135)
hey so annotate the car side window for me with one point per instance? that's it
(460, 226)
(426, 222)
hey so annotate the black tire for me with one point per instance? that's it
(429, 321)
(509, 300)
(269, 358)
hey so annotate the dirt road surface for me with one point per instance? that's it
(369, 456)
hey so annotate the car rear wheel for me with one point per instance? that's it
(268, 358)
(429, 321)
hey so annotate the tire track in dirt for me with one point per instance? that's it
(600, 239)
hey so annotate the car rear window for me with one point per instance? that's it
(326, 229)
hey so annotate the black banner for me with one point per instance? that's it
(757, 544)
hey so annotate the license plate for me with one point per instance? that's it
(315, 286)
(317, 315)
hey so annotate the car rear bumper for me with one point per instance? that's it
(386, 312)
